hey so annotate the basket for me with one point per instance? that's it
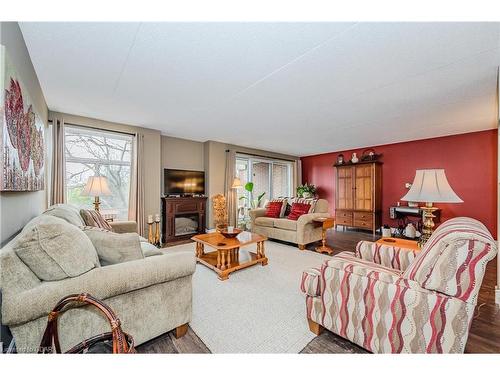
(121, 341)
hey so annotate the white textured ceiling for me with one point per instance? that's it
(297, 88)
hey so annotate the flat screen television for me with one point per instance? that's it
(181, 182)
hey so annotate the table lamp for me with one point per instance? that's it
(96, 186)
(236, 183)
(430, 186)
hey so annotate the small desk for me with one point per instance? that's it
(400, 242)
(325, 223)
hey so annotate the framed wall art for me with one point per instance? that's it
(22, 159)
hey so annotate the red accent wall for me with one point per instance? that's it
(469, 160)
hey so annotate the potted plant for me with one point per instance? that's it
(306, 190)
(254, 203)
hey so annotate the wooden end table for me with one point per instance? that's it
(325, 223)
(228, 257)
(400, 242)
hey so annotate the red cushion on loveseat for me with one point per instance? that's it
(274, 209)
(298, 209)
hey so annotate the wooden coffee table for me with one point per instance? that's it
(228, 255)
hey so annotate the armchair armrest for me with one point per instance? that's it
(102, 283)
(398, 258)
(124, 226)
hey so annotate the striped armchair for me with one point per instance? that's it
(390, 300)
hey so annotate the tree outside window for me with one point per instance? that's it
(92, 152)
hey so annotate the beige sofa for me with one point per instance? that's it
(302, 231)
(151, 295)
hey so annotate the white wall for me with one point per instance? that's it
(17, 208)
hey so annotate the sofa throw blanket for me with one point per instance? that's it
(113, 248)
(94, 218)
(54, 249)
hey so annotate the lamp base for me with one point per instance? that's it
(428, 223)
(97, 203)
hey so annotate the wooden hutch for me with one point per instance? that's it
(358, 195)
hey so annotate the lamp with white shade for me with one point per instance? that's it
(96, 186)
(236, 183)
(430, 186)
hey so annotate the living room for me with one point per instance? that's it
(292, 187)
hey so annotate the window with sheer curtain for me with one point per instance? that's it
(92, 152)
(269, 176)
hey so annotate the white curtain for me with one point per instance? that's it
(58, 170)
(231, 199)
(136, 197)
(297, 176)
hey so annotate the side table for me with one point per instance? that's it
(400, 242)
(325, 223)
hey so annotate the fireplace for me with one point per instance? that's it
(186, 224)
(183, 217)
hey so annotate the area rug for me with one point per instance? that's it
(259, 309)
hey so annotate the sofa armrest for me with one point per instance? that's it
(389, 256)
(303, 220)
(255, 213)
(124, 226)
(102, 283)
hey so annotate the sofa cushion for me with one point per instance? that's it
(66, 212)
(94, 218)
(54, 249)
(149, 249)
(265, 221)
(298, 209)
(284, 203)
(115, 248)
(285, 224)
(273, 209)
(310, 201)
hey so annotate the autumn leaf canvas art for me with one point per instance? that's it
(22, 158)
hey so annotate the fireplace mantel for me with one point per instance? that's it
(191, 208)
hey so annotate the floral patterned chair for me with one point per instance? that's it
(389, 300)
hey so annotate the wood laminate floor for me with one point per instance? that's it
(484, 335)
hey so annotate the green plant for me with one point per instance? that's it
(307, 189)
(254, 203)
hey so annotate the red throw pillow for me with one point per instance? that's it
(274, 209)
(298, 209)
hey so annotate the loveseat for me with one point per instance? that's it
(302, 231)
(151, 295)
(392, 300)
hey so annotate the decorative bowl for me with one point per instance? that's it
(232, 234)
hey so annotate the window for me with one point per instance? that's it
(272, 177)
(92, 152)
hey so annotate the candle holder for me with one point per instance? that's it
(157, 242)
(151, 235)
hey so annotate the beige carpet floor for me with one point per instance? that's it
(259, 309)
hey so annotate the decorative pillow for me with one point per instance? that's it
(94, 218)
(298, 209)
(310, 201)
(54, 249)
(284, 202)
(149, 250)
(274, 209)
(66, 212)
(115, 248)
